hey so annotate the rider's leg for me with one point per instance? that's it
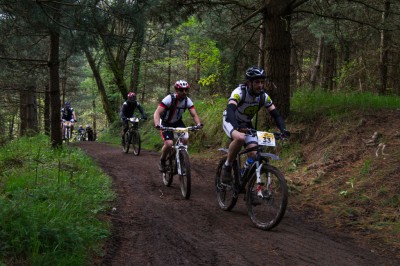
(164, 152)
(124, 130)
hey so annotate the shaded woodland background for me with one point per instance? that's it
(92, 52)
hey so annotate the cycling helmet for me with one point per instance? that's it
(131, 96)
(67, 104)
(253, 73)
(181, 84)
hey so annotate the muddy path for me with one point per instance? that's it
(154, 225)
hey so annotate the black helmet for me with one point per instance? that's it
(255, 72)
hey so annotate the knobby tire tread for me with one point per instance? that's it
(186, 178)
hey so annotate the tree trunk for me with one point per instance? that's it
(28, 112)
(384, 48)
(110, 115)
(278, 50)
(317, 66)
(329, 67)
(46, 112)
(54, 90)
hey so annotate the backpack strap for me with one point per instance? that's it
(171, 109)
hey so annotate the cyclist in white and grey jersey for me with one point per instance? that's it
(244, 103)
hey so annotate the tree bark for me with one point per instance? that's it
(101, 88)
(28, 112)
(315, 71)
(278, 50)
(54, 90)
(384, 48)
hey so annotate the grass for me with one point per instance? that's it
(49, 204)
(306, 104)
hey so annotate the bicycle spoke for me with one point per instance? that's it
(266, 203)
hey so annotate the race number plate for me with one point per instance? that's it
(266, 138)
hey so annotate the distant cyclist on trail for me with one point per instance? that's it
(68, 114)
(127, 110)
(243, 104)
(169, 114)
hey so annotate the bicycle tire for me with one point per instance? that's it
(185, 177)
(168, 176)
(67, 135)
(226, 195)
(127, 143)
(136, 143)
(267, 212)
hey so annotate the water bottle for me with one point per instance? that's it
(247, 165)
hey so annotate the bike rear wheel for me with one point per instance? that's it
(226, 195)
(136, 142)
(185, 177)
(127, 142)
(170, 165)
(267, 207)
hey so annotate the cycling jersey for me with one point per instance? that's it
(173, 114)
(128, 109)
(248, 107)
(66, 113)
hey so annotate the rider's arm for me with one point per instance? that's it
(195, 116)
(140, 108)
(230, 114)
(280, 123)
(157, 115)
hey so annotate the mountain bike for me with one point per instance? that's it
(132, 136)
(81, 136)
(264, 186)
(178, 160)
(67, 132)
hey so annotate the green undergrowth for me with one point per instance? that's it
(50, 200)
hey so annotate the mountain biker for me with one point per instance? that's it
(127, 110)
(169, 114)
(89, 132)
(243, 105)
(67, 114)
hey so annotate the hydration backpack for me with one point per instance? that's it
(171, 109)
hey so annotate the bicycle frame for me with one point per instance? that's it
(179, 134)
(264, 139)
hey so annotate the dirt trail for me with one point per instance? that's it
(154, 225)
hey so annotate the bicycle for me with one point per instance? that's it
(177, 161)
(81, 136)
(67, 133)
(132, 136)
(264, 186)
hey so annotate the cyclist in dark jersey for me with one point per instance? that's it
(243, 104)
(68, 114)
(128, 108)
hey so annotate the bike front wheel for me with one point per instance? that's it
(266, 202)
(226, 195)
(127, 142)
(136, 143)
(168, 175)
(185, 177)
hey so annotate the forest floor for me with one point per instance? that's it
(153, 225)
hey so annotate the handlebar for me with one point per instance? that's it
(253, 132)
(177, 129)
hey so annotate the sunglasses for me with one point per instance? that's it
(183, 89)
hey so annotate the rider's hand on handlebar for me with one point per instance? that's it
(285, 133)
(72, 120)
(199, 125)
(159, 126)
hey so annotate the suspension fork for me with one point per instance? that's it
(178, 147)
